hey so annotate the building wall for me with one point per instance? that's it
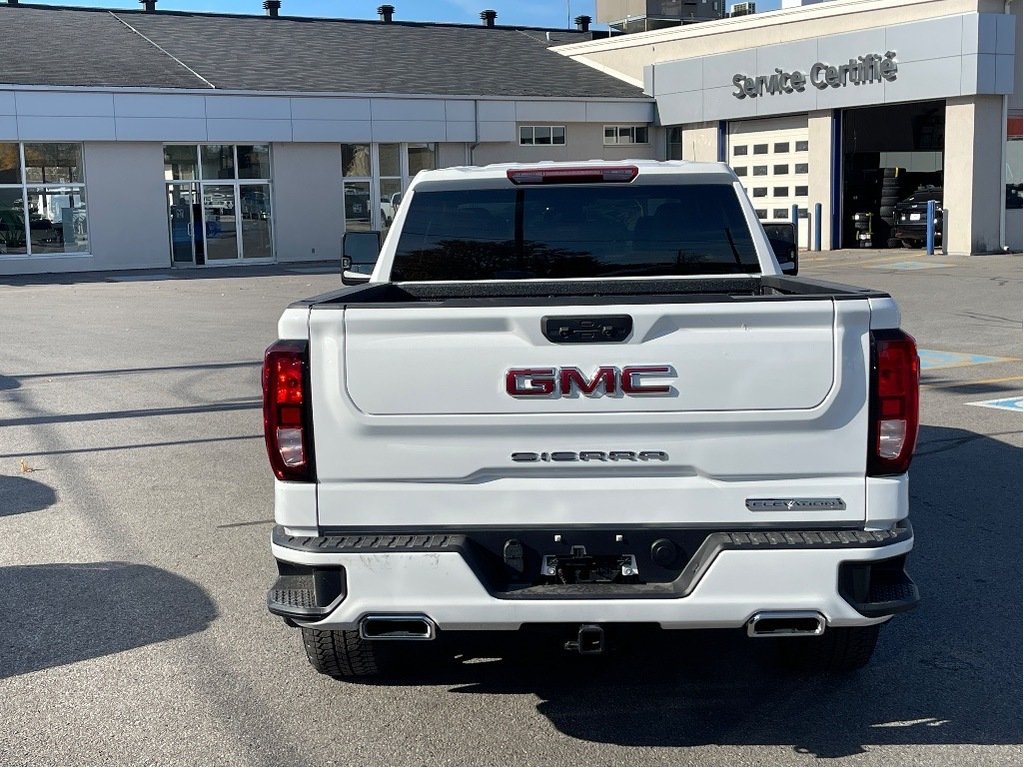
(819, 178)
(972, 192)
(629, 54)
(307, 201)
(127, 213)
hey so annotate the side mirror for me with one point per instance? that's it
(359, 253)
(782, 237)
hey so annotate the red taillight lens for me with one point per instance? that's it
(620, 174)
(285, 407)
(895, 379)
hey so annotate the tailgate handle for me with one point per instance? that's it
(606, 329)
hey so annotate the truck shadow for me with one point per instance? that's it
(62, 613)
(19, 494)
(949, 673)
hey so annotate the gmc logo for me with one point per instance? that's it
(608, 381)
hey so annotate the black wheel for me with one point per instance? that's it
(342, 653)
(893, 242)
(840, 649)
(912, 244)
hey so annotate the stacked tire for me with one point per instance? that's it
(887, 207)
(890, 194)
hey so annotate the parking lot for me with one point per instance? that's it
(135, 514)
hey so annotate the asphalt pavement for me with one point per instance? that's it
(135, 514)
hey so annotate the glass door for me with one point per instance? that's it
(220, 224)
(183, 210)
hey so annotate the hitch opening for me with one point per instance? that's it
(589, 640)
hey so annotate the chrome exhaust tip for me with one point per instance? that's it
(786, 624)
(397, 626)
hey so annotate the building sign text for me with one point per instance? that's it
(872, 68)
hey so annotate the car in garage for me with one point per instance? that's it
(910, 219)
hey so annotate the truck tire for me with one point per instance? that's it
(840, 649)
(341, 653)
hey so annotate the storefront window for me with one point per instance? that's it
(234, 218)
(253, 161)
(181, 162)
(218, 161)
(53, 163)
(423, 157)
(374, 178)
(10, 164)
(42, 200)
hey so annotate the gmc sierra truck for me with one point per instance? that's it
(584, 398)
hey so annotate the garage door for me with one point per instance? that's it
(770, 158)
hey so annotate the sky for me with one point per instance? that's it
(535, 13)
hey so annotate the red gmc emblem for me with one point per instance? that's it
(608, 381)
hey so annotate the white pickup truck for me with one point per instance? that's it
(583, 398)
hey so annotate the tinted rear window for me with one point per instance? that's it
(574, 231)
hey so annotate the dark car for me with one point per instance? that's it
(910, 217)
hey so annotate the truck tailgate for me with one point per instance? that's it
(415, 424)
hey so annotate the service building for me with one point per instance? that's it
(159, 138)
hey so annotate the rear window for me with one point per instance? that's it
(565, 232)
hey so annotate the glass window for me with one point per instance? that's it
(780, 213)
(800, 191)
(675, 143)
(10, 164)
(180, 162)
(802, 213)
(53, 163)
(219, 218)
(565, 233)
(760, 170)
(782, 146)
(781, 192)
(760, 191)
(800, 168)
(355, 160)
(57, 220)
(760, 149)
(780, 169)
(625, 134)
(357, 206)
(423, 157)
(218, 161)
(740, 149)
(253, 161)
(12, 221)
(762, 213)
(741, 170)
(545, 135)
(801, 146)
(390, 158)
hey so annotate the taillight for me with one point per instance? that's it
(895, 378)
(286, 424)
(615, 174)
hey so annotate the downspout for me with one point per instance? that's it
(476, 132)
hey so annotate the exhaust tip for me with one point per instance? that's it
(786, 624)
(397, 627)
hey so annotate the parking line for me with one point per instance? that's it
(1003, 404)
(933, 358)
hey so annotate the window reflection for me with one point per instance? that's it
(57, 220)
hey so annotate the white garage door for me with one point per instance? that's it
(770, 158)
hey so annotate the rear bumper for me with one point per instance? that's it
(851, 577)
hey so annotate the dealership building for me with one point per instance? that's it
(158, 139)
